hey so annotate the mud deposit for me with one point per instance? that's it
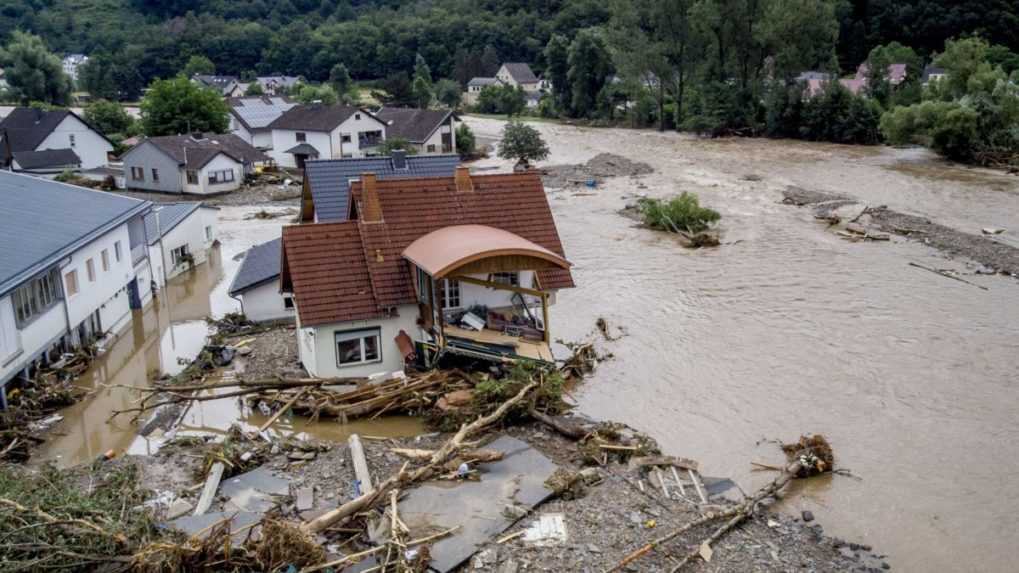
(788, 328)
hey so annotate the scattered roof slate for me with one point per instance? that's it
(195, 153)
(329, 179)
(261, 264)
(316, 117)
(414, 125)
(65, 157)
(354, 270)
(49, 220)
(257, 112)
(170, 215)
(521, 72)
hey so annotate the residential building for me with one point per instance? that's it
(474, 88)
(257, 284)
(932, 73)
(74, 264)
(857, 85)
(518, 74)
(327, 181)
(271, 85)
(29, 129)
(179, 236)
(320, 131)
(428, 131)
(250, 118)
(45, 163)
(199, 164)
(227, 86)
(464, 265)
(72, 63)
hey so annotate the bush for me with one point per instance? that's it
(683, 213)
(396, 143)
(465, 143)
(523, 143)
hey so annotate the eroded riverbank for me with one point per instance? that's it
(787, 327)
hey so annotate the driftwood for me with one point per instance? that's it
(282, 410)
(404, 477)
(946, 275)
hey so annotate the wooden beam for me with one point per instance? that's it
(498, 286)
(544, 316)
(211, 485)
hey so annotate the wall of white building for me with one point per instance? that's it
(330, 145)
(265, 303)
(35, 337)
(89, 145)
(317, 345)
(284, 139)
(436, 140)
(198, 231)
(107, 285)
(218, 163)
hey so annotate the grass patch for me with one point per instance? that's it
(679, 214)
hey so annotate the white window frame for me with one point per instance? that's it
(155, 175)
(300, 137)
(178, 253)
(137, 174)
(288, 303)
(90, 270)
(32, 299)
(208, 232)
(116, 251)
(450, 293)
(226, 174)
(191, 176)
(509, 279)
(360, 335)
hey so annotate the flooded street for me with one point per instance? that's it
(788, 329)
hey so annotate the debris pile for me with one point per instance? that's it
(594, 171)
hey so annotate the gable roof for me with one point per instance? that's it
(317, 117)
(194, 153)
(414, 125)
(28, 127)
(50, 220)
(46, 158)
(221, 83)
(483, 81)
(355, 270)
(329, 179)
(257, 112)
(170, 215)
(261, 264)
(521, 72)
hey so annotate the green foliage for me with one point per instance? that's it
(108, 117)
(449, 93)
(397, 143)
(339, 78)
(557, 68)
(522, 143)
(179, 105)
(115, 77)
(198, 64)
(501, 98)
(877, 73)
(590, 68)
(421, 85)
(324, 94)
(838, 116)
(33, 72)
(682, 213)
(465, 143)
(254, 89)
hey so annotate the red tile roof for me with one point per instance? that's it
(329, 281)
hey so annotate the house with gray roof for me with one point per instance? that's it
(475, 86)
(318, 131)
(250, 117)
(198, 164)
(327, 182)
(73, 264)
(45, 163)
(179, 237)
(29, 129)
(257, 284)
(426, 130)
(271, 85)
(227, 86)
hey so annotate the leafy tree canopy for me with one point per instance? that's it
(33, 72)
(178, 105)
(522, 143)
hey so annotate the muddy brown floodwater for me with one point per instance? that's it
(787, 328)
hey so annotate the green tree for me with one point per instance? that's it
(179, 105)
(397, 143)
(198, 64)
(590, 68)
(339, 78)
(523, 143)
(112, 76)
(421, 86)
(557, 67)
(501, 99)
(254, 89)
(465, 142)
(490, 61)
(109, 117)
(449, 93)
(32, 72)
(324, 94)
(878, 62)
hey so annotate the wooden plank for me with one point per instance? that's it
(661, 482)
(679, 482)
(360, 464)
(681, 463)
(283, 409)
(211, 486)
(498, 286)
(697, 484)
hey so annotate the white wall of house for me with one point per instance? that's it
(73, 133)
(238, 129)
(264, 303)
(317, 345)
(17, 346)
(261, 139)
(338, 143)
(284, 139)
(221, 162)
(107, 292)
(194, 231)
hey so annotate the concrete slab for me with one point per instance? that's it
(253, 491)
(305, 498)
(192, 524)
(517, 479)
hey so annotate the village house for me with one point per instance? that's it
(226, 86)
(250, 118)
(932, 73)
(272, 85)
(320, 131)
(80, 266)
(72, 63)
(428, 131)
(43, 141)
(179, 236)
(474, 88)
(463, 265)
(257, 284)
(857, 85)
(199, 164)
(516, 74)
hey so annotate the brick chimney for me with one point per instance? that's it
(463, 180)
(371, 207)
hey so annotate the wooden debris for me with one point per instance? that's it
(211, 486)
(946, 275)
(681, 463)
(360, 462)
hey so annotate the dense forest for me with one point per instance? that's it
(711, 66)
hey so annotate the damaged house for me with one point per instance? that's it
(465, 265)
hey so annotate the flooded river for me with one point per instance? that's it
(786, 329)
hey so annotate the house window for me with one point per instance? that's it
(180, 254)
(71, 283)
(106, 260)
(431, 148)
(301, 137)
(35, 297)
(155, 174)
(511, 279)
(70, 137)
(208, 232)
(357, 116)
(116, 251)
(358, 347)
(137, 174)
(345, 138)
(288, 303)
(192, 177)
(450, 294)
(221, 176)
(90, 270)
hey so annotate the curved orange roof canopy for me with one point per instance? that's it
(448, 249)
